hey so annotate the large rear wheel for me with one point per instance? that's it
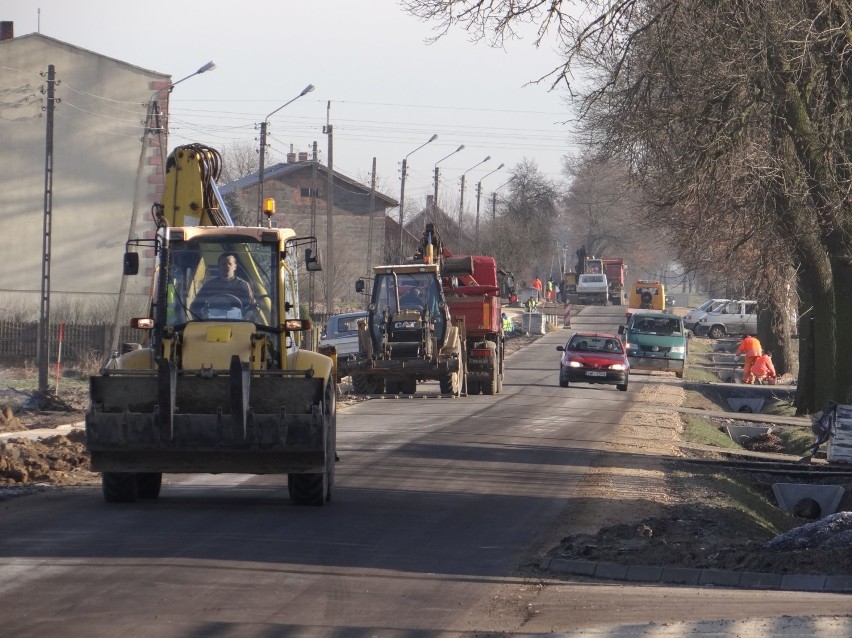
(119, 487)
(490, 385)
(316, 488)
(148, 484)
(473, 386)
(367, 384)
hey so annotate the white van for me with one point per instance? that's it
(691, 318)
(733, 318)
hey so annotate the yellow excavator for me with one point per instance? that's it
(222, 384)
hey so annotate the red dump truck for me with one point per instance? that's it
(614, 269)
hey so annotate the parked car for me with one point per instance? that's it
(691, 318)
(594, 357)
(655, 341)
(341, 331)
(733, 318)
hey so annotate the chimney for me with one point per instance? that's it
(303, 156)
(7, 30)
(291, 156)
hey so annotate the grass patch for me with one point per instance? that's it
(699, 430)
(700, 346)
(699, 374)
(795, 440)
(740, 495)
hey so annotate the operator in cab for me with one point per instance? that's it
(225, 286)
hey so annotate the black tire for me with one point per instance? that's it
(490, 386)
(392, 386)
(119, 487)
(563, 379)
(473, 386)
(316, 488)
(148, 484)
(367, 384)
(717, 332)
(449, 383)
(623, 386)
(408, 386)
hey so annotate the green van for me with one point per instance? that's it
(655, 341)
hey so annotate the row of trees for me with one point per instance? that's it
(733, 119)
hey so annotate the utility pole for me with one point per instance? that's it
(476, 231)
(461, 215)
(494, 207)
(402, 206)
(370, 228)
(43, 341)
(314, 192)
(261, 172)
(329, 242)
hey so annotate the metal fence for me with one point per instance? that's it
(18, 341)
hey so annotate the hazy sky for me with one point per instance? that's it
(389, 90)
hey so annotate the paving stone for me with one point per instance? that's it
(838, 583)
(612, 571)
(644, 573)
(722, 577)
(803, 582)
(578, 567)
(680, 575)
(758, 580)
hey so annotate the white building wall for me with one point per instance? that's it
(97, 142)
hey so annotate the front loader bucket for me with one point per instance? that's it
(220, 421)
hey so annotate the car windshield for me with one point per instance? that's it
(585, 343)
(657, 326)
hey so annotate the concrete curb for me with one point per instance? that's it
(692, 576)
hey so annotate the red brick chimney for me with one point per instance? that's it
(7, 30)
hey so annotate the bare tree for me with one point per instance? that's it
(735, 113)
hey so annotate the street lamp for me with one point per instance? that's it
(435, 199)
(461, 199)
(155, 109)
(263, 126)
(402, 187)
(494, 198)
(478, 193)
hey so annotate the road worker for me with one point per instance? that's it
(751, 348)
(508, 326)
(763, 369)
(537, 285)
(549, 296)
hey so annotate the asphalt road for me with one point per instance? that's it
(442, 510)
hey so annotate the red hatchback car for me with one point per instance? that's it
(594, 357)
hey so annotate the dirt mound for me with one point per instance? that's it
(57, 460)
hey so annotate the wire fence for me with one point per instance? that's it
(79, 343)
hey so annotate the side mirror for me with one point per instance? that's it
(560, 348)
(131, 263)
(359, 285)
(621, 330)
(312, 262)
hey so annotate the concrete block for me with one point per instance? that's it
(680, 575)
(721, 577)
(746, 404)
(757, 580)
(827, 496)
(612, 571)
(803, 582)
(741, 433)
(577, 567)
(644, 573)
(838, 583)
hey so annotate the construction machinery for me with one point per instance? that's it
(222, 384)
(437, 316)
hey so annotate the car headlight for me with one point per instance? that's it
(678, 349)
(618, 366)
(575, 364)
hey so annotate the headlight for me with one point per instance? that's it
(575, 364)
(618, 366)
(678, 349)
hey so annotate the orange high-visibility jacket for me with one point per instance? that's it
(762, 367)
(750, 347)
